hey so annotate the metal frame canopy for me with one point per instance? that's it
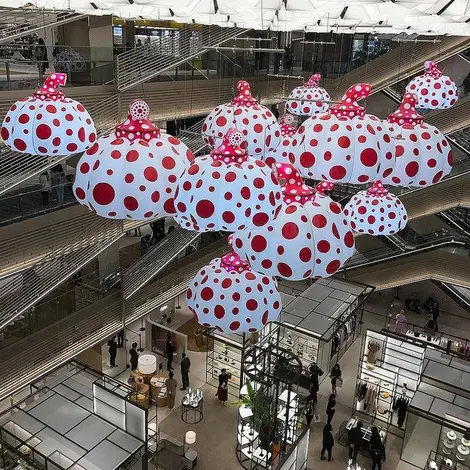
(55, 426)
(433, 17)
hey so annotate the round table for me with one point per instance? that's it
(192, 407)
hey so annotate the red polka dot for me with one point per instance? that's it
(323, 246)
(155, 196)
(260, 219)
(369, 157)
(319, 221)
(43, 131)
(284, 270)
(258, 128)
(51, 108)
(245, 193)
(235, 325)
(131, 203)
(333, 266)
(290, 230)
(337, 172)
(226, 283)
(84, 168)
(344, 142)
(258, 243)
(173, 140)
(349, 239)
(228, 217)
(150, 174)
(72, 147)
(103, 194)
(132, 156)
(207, 293)
(5, 134)
(219, 312)
(168, 163)
(307, 159)
(251, 305)
(81, 134)
(205, 208)
(23, 119)
(412, 169)
(305, 254)
(20, 144)
(80, 193)
(221, 121)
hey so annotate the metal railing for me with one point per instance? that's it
(149, 60)
(19, 22)
(156, 259)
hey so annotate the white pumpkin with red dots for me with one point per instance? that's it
(227, 190)
(133, 172)
(433, 90)
(424, 156)
(257, 123)
(228, 296)
(47, 123)
(281, 154)
(310, 237)
(309, 98)
(345, 145)
(376, 211)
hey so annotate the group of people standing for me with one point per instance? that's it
(53, 181)
(376, 447)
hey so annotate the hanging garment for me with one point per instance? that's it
(373, 351)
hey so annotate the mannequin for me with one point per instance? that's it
(401, 323)
(373, 350)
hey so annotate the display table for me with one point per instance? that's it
(192, 406)
(346, 426)
(158, 390)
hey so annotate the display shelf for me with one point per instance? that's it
(284, 396)
(223, 353)
(260, 456)
(245, 412)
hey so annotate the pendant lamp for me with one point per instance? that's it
(309, 98)
(433, 90)
(227, 190)
(376, 211)
(310, 237)
(257, 123)
(133, 172)
(229, 296)
(47, 123)
(423, 154)
(345, 145)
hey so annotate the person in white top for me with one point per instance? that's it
(45, 182)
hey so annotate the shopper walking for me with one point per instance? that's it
(45, 182)
(336, 380)
(328, 442)
(315, 374)
(41, 58)
(170, 351)
(112, 349)
(171, 384)
(309, 412)
(185, 365)
(222, 390)
(134, 356)
(330, 408)
(377, 449)
(58, 183)
(120, 338)
(355, 441)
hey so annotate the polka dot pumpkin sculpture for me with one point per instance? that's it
(281, 154)
(69, 61)
(258, 124)
(309, 98)
(345, 145)
(376, 211)
(433, 90)
(133, 172)
(228, 295)
(310, 237)
(227, 190)
(47, 123)
(423, 154)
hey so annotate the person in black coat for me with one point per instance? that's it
(330, 408)
(170, 351)
(112, 349)
(377, 449)
(185, 365)
(335, 376)
(328, 442)
(134, 356)
(355, 441)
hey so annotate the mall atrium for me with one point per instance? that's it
(235, 235)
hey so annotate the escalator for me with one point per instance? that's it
(459, 294)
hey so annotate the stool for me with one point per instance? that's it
(462, 452)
